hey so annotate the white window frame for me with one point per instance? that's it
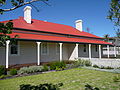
(47, 49)
(57, 48)
(18, 48)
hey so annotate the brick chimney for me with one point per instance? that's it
(78, 24)
(27, 14)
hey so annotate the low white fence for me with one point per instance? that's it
(115, 63)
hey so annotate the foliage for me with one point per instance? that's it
(118, 33)
(4, 76)
(108, 67)
(16, 4)
(89, 87)
(95, 66)
(45, 86)
(81, 62)
(5, 30)
(114, 12)
(57, 65)
(31, 69)
(45, 68)
(103, 67)
(106, 37)
(87, 63)
(3, 70)
(13, 72)
(116, 78)
(68, 61)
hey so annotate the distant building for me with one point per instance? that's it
(113, 50)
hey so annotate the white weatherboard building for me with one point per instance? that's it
(42, 41)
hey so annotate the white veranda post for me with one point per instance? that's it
(100, 51)
(38, 53)
(115, 51)
(7, 52)
(108, 51)
(76, 48)
(61, 51)
(89, 51)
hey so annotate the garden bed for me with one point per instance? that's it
(105, 70)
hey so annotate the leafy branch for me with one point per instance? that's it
(18, 3)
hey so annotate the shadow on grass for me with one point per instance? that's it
(45, 86)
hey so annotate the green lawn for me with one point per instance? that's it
(73, 79)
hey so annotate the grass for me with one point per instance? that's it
(73, 79)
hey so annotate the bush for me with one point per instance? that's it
(87, 63)
(45, 86)
(3, 70)
(13, 72)
(102, 67)
(4, 76)
(45, 68)
(68, 61)
(89, 87)
(57, 65)
(95, 66)
(108, 67)
(80, 62)
(31, 69)
(116, 78)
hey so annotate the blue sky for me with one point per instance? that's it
(92, 12)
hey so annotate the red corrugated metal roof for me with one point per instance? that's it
(57, 38)
(49, 27)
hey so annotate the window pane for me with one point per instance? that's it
(44, 48)
(14, 48)
(57, 48)
(84, 47)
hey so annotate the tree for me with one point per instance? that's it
(114, 12)
(17, 3)
(118, 33)
(6, 28)
(106, 37)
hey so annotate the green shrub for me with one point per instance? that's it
(102, 67)
(4, 76)
(68, 61)
(13, 72)
(108, 67)
(80, 62)
(89, 87)
(116, 78)
(57, 65)
(3, 70)
(31, 69)
(45, 86)
(87, 63)
(45, 68)
(95, 66)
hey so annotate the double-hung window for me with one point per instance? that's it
(84, 49)
(57, 48)
(14, 49)
(96, 48)
(44, 48)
